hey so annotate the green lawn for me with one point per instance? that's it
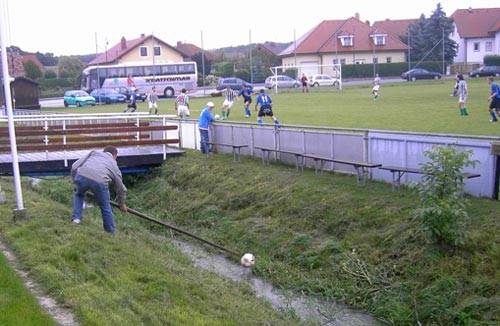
(134, 278)
(322, 235)
(17, 305)
(424, 106)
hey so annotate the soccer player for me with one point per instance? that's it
(376, 86)
(182, 104)
(229, 97)
(132, 106)
(153, 101)
(494, 99)
(246, 92)
(304, 81)
(462, 95)
(266, 108)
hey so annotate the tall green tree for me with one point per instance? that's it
(70, 67)
(32, 70)
(426, 36)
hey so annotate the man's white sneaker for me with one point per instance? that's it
(76, 221)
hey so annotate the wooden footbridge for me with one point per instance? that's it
(49, 143)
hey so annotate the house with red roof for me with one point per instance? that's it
(146, 48)
(477, 33)
(349, 41)
(396, 27)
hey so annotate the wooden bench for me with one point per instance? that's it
(299, 157)
(398, 172)
(362, 168)
(236, 149)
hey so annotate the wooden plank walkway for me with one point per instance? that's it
(130, 160)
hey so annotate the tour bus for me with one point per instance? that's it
(168, 78)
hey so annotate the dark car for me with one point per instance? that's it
(108, 96)
(127, 91)
(486, 71)
(419, 73)
(233, 82)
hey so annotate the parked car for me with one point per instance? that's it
(78, 98)
(108, 96)
(283, 82)
(419, 73)
(233, 82)
(485, 71)
(323, 80)
(127, 91)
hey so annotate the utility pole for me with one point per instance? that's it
(20, 211)
(202, 64)
(251, 66)
(409, 48)
(295, 49)
(444, 66)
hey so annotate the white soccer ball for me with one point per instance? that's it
(217, 117)
(248, 260)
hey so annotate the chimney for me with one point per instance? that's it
(367, 22)
(356, 15)
(143, 35)
(123, 43)
(179, 43)
(469, 10)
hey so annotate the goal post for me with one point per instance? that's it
(332, 70)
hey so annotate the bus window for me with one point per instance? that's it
(102, 72)
(135, 71)
(169, 70)
(152, 70)
(116, 73)
(186, 68)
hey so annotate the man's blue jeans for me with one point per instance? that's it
(204, 145)
(101, 193)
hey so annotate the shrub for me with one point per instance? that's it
(49, 74)
(442, 207)
(32, 70)
(491, 60)
(386, 69)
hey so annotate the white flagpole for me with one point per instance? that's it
(20, 211)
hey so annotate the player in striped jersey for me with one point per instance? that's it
(182, 104)
(229, 98)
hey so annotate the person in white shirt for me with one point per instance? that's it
(376, 86)
(153, 100)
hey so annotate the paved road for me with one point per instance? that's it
(57, 102)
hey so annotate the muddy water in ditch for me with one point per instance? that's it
(308, 309)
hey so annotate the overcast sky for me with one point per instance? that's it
(69, 27)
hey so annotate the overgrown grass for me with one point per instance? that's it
(131, 279)
(424, 106)
(17, 305)
(329, 237)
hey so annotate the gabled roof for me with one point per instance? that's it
(397, 27)
(324, 38)
(272, 47)
(481, 22)
(188, 49)
(125, 46)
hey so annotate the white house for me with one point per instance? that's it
(477, 33)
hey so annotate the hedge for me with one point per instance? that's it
(56, 82)
(385, 69)
(491, 60)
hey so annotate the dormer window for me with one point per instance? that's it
(379, 39)
(346, 40)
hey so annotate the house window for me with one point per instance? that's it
(360, 61)
(346, 40)
(342, 61)
(144, 51)
(388, 59)
(380, 40)
(335, 61)
(375, 60)
(488, 47)
(157, 51)
(476, 46)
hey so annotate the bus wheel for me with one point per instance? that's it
(169, 92)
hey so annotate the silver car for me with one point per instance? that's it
(283, 82)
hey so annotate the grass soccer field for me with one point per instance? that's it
(424, 106)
